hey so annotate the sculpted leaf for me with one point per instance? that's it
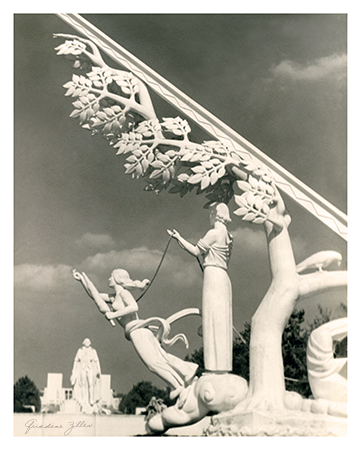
(68, 85)
(243, 185)
(262, 185)
(166, 175)
(172, 171)
(156, 173)
(240, 200)
(253, 182)
(266, 208)
(221, 172)
(259, 220)
(187, 156)
(194, 179)
(138, 171)
(198, 169)
(236, 156)
(258, 203)
(131, 159)
(205, 182)
(115, 127)
(206, 164)
(75, 113)
(252, 167)
(82, 117)
(162, 157)
(157, 164)
(213, 178)
(250, 198)
(195, 157)
(130, 168)
(183, 177)
(77, 104)
(249, 217)
(267, 178)
(241, 211)
(70, 91)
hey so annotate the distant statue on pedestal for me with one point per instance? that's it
(85, 378)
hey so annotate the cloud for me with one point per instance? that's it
(95, 241)
(131, 259)
(40, 278)
(143, 262)
(328, 66)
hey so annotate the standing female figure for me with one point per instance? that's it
(215, 248)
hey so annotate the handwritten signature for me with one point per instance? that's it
(32, 424)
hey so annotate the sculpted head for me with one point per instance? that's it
(86, 342)
(120, 277)
(219, 212)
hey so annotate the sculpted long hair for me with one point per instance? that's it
(122, 278)
(221, 211)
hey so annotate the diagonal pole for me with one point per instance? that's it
(297, 190)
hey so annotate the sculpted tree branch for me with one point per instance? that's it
(118, 106)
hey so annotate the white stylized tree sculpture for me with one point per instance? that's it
(117, 105)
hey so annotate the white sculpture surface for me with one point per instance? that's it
(319, 261)
(215, 247)
(85, 378)
(173, 370)
(327, 375)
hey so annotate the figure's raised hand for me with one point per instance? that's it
(174, 234)
(76, 275)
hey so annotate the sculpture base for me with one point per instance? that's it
(265, 423)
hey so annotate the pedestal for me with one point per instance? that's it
(264, 423)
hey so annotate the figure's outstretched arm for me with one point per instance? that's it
(186, 245)
(79, 277)
(90, 289)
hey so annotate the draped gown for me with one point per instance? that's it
(217, 306)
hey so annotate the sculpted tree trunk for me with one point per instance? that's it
(267, 385)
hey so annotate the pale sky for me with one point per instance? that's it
(278, 80)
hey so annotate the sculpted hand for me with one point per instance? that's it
(174, 234)
(76, 275)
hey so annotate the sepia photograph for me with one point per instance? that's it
(180, 225)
